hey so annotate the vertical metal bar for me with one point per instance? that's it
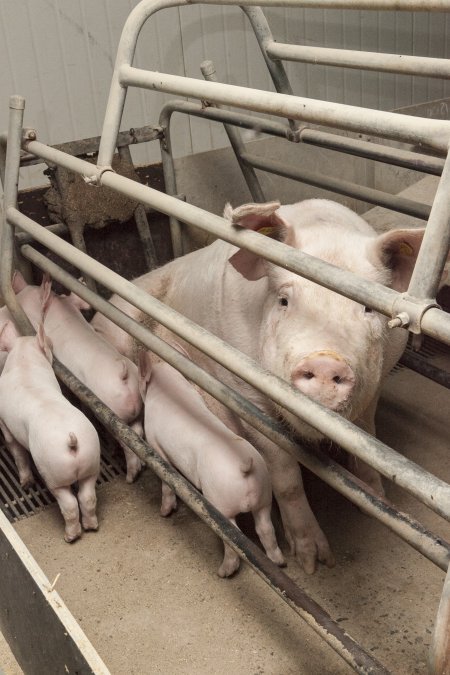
(16, 111)
(436, 242)
(440, 647)
(209, 73)
(275, 67)
(140, 218)
(170, 181)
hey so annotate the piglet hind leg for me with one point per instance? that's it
(230, 563)
(168, 500)
(266, 533)
(21, 458)
(87, 500)
(134, 464)
(68, 505)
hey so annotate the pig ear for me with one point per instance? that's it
(46, 293)
(44, 343)
(259, 218)
(18, 282)
(145, 372)
(398, 249)
(8, 336)
(78, 302)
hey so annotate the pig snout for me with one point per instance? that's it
(326, 377)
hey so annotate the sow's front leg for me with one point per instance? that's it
(303, 533)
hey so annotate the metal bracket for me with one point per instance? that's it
(407, 312)
(96, 178)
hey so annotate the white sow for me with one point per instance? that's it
(331, 348)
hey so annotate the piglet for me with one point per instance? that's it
(35, 417)
(96, 363)
(228, 470)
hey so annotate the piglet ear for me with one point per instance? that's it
(398, 250)
(8, 336)
(18, 282)
(260, 218)
(144, 371)
(44, 343)
(46, 294)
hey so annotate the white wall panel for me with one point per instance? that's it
(60, 53)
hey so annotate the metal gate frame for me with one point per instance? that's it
(415, 310)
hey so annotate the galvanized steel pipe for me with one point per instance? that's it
(435, 322)
(347, 58)
(365, 194)
(417, 130)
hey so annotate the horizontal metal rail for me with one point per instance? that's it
(435, 322)
(323, 139)
(374, 151)
(312, 613)
(432, 491)
(346, 58)
(433, 133)
(413, 532)
(339, 186)
(426, 369)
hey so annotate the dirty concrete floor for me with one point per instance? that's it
(145, 589)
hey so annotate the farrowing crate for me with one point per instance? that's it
(415, 310)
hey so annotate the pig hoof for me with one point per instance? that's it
(70, 538)
(278, 558)
(167, 510)
(227, 570)
(27, 481)
(90, 526)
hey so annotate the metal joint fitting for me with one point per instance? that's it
(28, 135)
(407, 312)
(96, 178)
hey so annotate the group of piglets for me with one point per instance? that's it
(36, 418)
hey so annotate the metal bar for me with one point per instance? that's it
(435, 322)
(426, 369)
(259, 124)
(434, 548)
(275, 67)
(11, 180)
(379, 153)
(177, 234)
(365, 194)
(426, 487)
(416, 130)
(125, 53)
(209, 73)
(286, 589)
(45, 637)
(387, 5)
(56, 228)
(347, 58)
(440, 647)
(435, 246)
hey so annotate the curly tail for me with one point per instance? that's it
(246, 466)
(73, 442)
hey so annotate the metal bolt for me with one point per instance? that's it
(400, 321)
(30, 135)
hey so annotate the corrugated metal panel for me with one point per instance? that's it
(60, 55)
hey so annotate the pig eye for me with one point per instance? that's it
(368, 310)
(283, 302)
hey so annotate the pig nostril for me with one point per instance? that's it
(308, 375)
(338, 379)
